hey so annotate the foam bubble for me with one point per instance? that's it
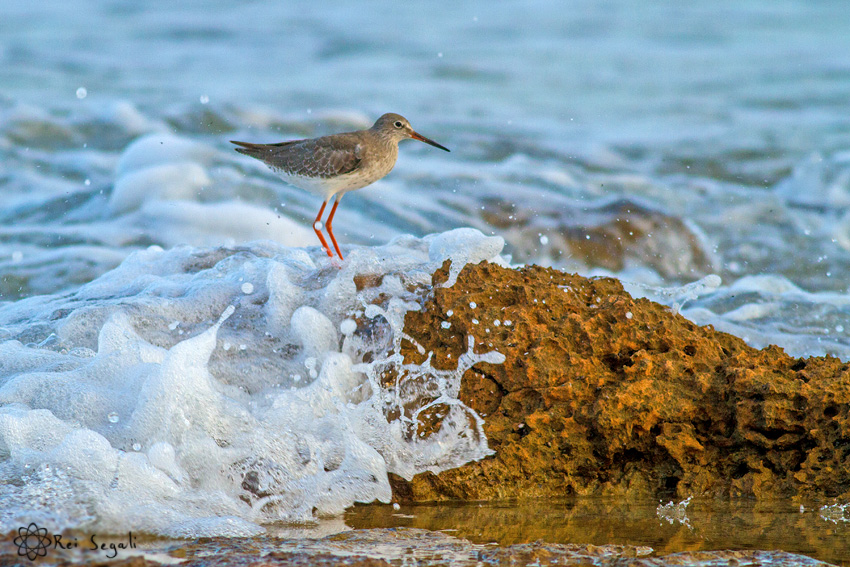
(348, 327)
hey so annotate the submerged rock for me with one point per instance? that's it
(607, 234)
(601, 393)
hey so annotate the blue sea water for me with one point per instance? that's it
(660, 142)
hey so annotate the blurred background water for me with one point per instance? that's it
(652, 136)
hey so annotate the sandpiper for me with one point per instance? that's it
(334, 165)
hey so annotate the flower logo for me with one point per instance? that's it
(32, 541)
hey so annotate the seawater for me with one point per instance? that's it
(658, 143)
(665, 527)
(697, 140)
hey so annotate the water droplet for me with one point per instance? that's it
(544, 239)
(347, 327)
(446, 325)
(137, 447)
(204, 99)
(629, 315)
(247, 288)
(112, 417)
(473, 305)
(82, 93)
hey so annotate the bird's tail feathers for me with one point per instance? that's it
(254, 150)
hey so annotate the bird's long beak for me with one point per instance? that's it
(422, 138)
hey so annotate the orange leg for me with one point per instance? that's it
(330, 230)
(319, 233)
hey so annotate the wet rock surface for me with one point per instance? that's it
(603, 394)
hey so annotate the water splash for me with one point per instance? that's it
(675, 513)
(180, 435)
(835, 513)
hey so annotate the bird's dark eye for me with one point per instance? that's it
(398, 124)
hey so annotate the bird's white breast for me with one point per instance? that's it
(372, 169)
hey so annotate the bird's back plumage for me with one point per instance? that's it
(325, 157)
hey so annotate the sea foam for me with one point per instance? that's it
(210, 391)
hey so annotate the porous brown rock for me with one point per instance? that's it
(601, 393)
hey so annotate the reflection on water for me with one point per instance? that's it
(698, 525)
(576, 532)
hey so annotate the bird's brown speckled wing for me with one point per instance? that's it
(320, 157)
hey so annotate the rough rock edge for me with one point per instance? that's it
(603, 394)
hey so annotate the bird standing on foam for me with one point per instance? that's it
(333, 165)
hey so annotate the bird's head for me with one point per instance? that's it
(397, 128)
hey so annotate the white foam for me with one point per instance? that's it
(158, 149)
(173, 223)
(167, 181)
(129, 117)
(763, 310)
(448, 246)
(315, 331)
(676, 296)
(817, 181)
(174, 434)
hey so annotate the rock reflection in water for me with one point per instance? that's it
(712, 525)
